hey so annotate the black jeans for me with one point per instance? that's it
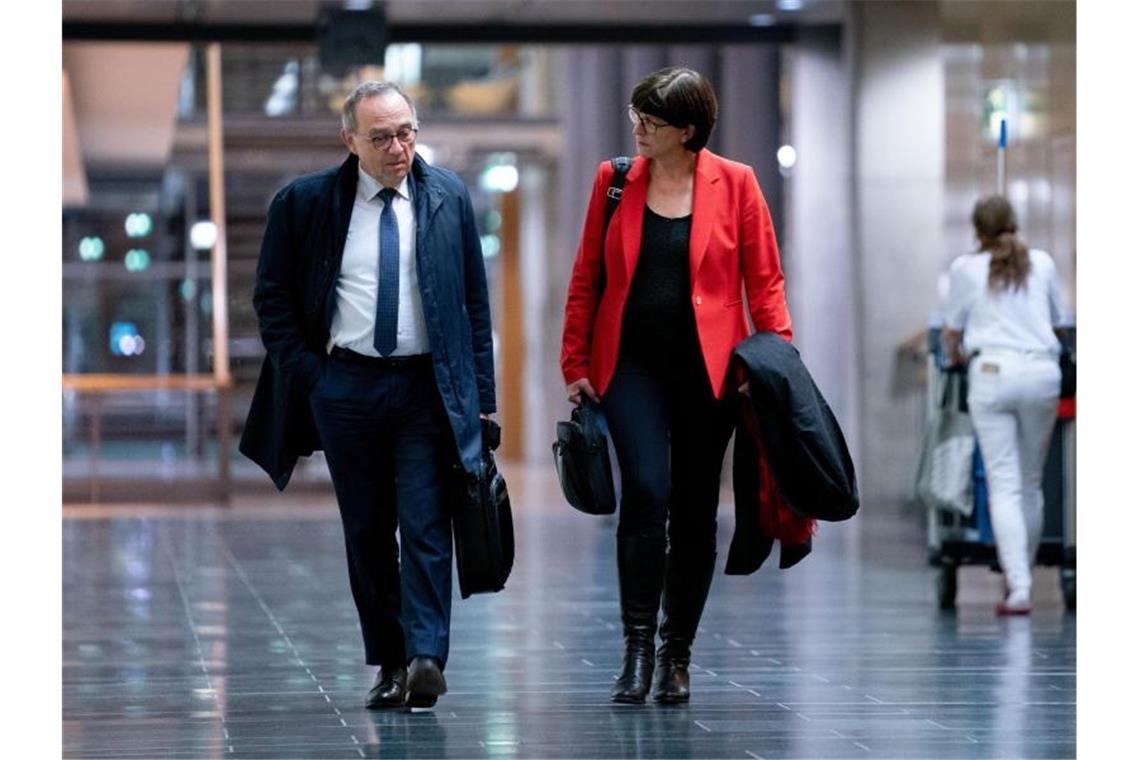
(670, 434)
(389, 449)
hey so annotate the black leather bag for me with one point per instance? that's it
(482, 524)
(581, 449)
(582, 459)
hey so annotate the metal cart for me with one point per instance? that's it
(954, 540)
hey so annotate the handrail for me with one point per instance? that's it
(118, 383)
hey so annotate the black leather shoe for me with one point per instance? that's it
(671, 680)
(425, 683)
(388, 691)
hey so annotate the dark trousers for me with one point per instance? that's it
(670, 434)
(388, 445)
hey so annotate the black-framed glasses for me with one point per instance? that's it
(650, 126)
(381, 142)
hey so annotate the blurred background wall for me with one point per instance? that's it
(871, 127)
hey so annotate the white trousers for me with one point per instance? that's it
(1013, 405)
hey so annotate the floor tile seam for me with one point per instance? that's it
(164, 541)
(233, 561)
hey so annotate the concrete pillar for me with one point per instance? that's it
(818, 242)
(900, 158)
(749, 124)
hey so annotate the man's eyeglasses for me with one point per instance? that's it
(650, 126)
(381, 142)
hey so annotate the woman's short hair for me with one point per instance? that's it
(681, 97)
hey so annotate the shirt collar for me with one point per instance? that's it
(367, 187)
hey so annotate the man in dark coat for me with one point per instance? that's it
(372, 302)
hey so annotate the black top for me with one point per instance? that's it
(658, 326)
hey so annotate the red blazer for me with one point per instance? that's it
(731, 244)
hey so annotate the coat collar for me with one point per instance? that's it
(368, 188)
(706, 201)
(423, 187)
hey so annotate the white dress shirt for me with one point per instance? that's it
(354, 318)
(1019, 319)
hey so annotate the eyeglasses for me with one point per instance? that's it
(637, 117)
(381, 142)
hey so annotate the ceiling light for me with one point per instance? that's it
(786, 156)
(136, 260)
(138, 225)
(91, 248)
(203, 235)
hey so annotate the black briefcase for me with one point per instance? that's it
(482, 525)
(582, 459)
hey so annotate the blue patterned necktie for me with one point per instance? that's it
(388, 288)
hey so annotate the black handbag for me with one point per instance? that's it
(582, 459)
(581, 449)
(482, 524)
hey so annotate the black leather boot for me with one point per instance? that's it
(687, 581)
(641, 570)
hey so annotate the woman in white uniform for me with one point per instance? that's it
(1003, 317)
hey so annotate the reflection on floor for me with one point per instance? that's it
(206, 633)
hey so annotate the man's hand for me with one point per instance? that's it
(575, 390)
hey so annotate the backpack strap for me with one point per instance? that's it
(621, 165)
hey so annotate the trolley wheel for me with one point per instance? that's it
(947, 585)
(1069, 587)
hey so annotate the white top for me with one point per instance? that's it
(1019, 319)
(354, 318)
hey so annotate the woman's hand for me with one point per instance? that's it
(952, 343)
(745, 389)
(575, 390)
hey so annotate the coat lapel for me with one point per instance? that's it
(631, 211)
(427, 197)
(706, 201)
(344, 197)
(337, 217)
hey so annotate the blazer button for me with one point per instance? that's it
(698, 300)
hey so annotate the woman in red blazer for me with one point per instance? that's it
(652, 315)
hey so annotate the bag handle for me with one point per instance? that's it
(954, 389)
(589, 415)
(492, 434)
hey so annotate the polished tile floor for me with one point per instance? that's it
(201, 633)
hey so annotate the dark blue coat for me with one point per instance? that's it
(295, 295)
